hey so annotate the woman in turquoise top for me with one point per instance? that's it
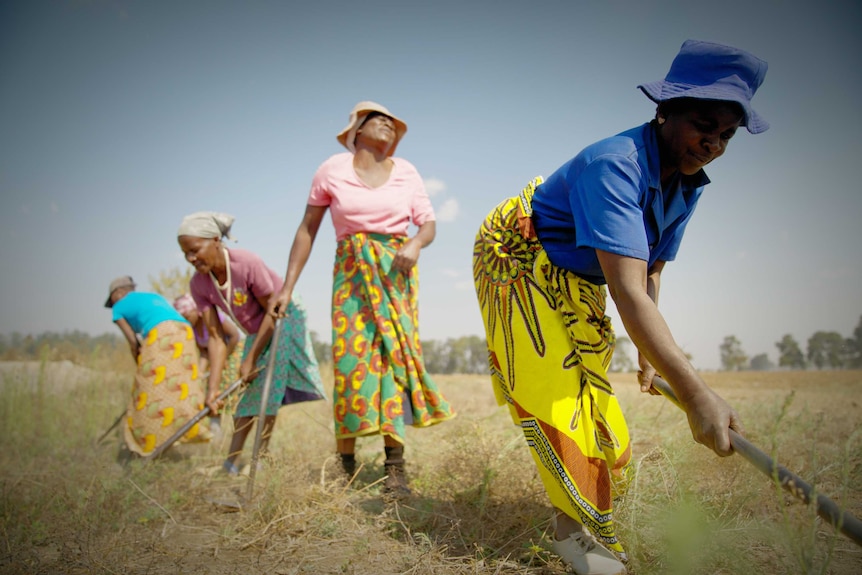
(167, 391)
(613, 215)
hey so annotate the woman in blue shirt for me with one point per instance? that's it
(167, 391)
(613, 215)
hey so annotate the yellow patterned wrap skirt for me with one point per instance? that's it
(167, 391)
(550, 344)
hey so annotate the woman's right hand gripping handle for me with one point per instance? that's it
(710, 419)
(635, 289)
(213, 401)
(278, 304)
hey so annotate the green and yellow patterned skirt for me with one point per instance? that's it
(380, 380)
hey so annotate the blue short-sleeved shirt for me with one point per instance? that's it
(144, 311)
(609, 197)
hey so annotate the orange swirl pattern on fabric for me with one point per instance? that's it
(377, 357)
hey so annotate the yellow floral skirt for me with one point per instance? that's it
(550, 344)
(167, 391)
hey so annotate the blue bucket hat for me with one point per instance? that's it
(710, 71)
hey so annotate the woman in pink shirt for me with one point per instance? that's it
(240, 284)
(380, 380)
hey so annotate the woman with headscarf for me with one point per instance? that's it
(185, 304)
(381, 384)
(240, 284)
(167, 391)
(614, 214)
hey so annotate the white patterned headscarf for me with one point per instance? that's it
(185, 304)
(206, 225)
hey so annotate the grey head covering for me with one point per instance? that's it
(206, 225)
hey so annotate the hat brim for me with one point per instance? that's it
(108, 302)
(358, 116)
(662, 91)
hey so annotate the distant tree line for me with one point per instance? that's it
(467, 354)
(455, 355)
(825, 350)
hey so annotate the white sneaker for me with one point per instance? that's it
(587, 556)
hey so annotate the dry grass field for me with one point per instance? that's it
(67, 506)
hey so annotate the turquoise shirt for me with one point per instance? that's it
(144, 311)
(610, 197)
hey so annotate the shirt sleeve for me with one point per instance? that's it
(605, 203)
(319, 194)
(259, 278)
(202, 301)
(118, 311)
(670, 250)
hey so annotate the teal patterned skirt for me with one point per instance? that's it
(296, 374)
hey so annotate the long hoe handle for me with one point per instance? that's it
(267, 384)
(117, 422)
(113, 425)
(190, 423)
(827, 509)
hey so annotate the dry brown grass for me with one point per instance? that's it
(66, 506)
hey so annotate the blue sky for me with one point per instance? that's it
(119, 117)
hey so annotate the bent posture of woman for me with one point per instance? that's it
(614, 214)
(240, 284)
(167, 391)
(380, 380)
(185, 304)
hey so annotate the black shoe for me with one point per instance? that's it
(395, 485)
(348, 464)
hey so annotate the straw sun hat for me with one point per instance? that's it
(348, 135)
